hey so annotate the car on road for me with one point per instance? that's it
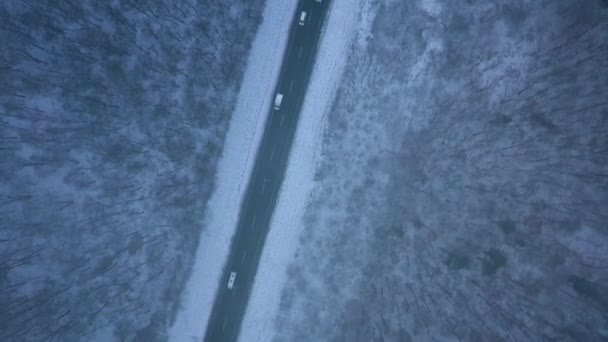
(302, 18)
(277, 101)
(231, 280)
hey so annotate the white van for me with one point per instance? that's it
(302, 18)
(231, 280)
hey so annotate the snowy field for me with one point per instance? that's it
(235, 166)
(282, 241)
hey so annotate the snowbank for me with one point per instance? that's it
(234, 169)
(282, 240)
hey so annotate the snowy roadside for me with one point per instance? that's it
(282, 240)
(235, 167)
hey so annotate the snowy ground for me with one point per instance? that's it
(282, 241)
(237, 161)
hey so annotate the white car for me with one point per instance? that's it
(231, 280)
(277, 101)
(302, 18)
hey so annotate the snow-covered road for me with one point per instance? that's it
(235, 167)
(242, 142)
(282, 240)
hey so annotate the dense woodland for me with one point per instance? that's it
(112, 119)
(464, 190)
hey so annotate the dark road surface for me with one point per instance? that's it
(256, 210)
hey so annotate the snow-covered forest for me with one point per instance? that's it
(112, 119)
(463, 193)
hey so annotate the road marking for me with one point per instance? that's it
(290, 86)
(263, 186)
(250, 270)
(224, 324)
(257, 248)
(252, 223)
(281, 123)
(243, 258)
(272, 153)
(300, 53)
(283, 156)
(267, 210)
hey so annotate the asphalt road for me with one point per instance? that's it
(256, 210)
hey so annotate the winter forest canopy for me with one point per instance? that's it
(463, 194)
(112, 119)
